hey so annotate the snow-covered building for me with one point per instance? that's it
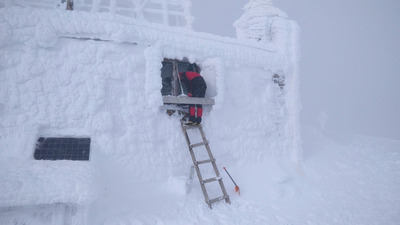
(100, 72)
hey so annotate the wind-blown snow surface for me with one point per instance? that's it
(346, 179)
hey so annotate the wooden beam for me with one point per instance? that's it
(187, 100)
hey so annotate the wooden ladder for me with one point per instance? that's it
(211, 160)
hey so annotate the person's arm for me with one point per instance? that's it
(186, 81)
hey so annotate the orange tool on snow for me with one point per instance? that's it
(237, 189)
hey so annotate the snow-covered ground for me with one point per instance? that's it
(344, 179)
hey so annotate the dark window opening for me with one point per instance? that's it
(171, 84)
(55, 148)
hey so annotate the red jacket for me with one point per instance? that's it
(193, 82)
(190, 75)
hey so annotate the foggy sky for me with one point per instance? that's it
(350, 59)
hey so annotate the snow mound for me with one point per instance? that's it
(47, 182)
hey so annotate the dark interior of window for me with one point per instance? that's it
(61, 148)
(171, 84)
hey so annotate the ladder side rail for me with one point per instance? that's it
(199, 176)
(186, 136)
(209, 151)
(221, 183)
(196, 165)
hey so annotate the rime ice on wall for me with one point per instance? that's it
(263, 23)
(98, 75)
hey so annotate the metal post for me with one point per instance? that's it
(70, 5)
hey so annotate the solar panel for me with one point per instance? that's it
(56, 148)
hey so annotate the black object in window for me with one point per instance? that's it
(55, 148)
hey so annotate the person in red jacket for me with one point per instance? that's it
(196, 87)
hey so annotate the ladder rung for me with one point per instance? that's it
(187, 127)
(217, 199)
(199, 144)
(212, 179)
(204, 161)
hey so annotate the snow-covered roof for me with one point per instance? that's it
(50, 25)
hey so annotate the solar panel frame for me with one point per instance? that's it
(62, 148)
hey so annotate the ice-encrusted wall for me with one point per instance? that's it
(62, 74)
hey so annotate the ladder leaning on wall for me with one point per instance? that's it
(211, 160)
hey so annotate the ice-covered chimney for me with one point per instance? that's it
(256, 21)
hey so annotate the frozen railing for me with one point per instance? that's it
(46, 4)
(168, 12)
